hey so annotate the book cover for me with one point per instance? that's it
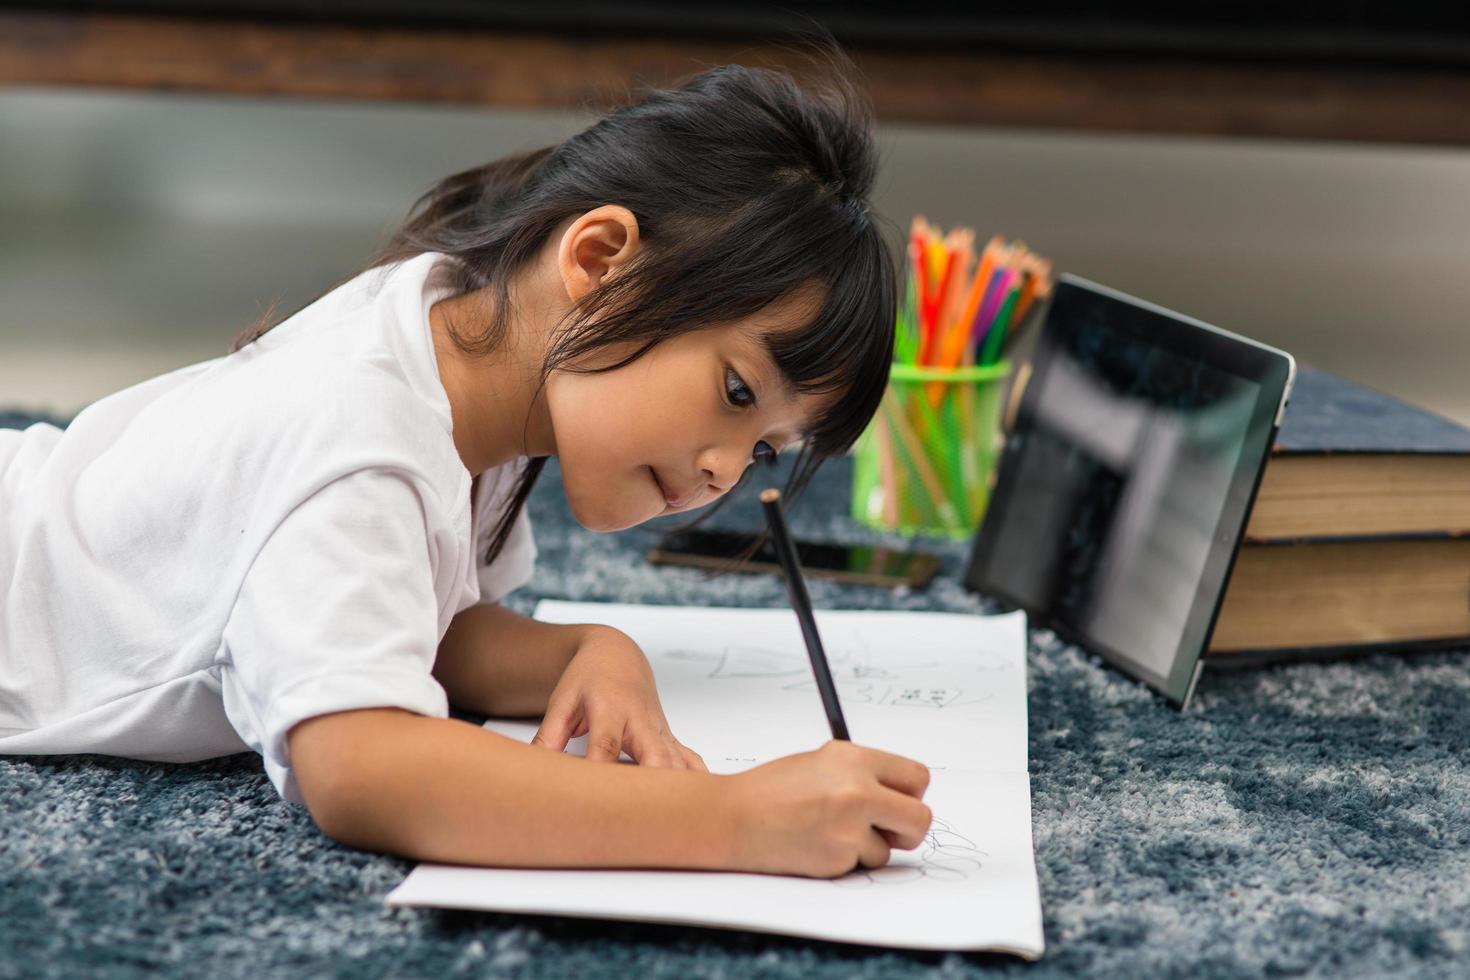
(1330, 414)
(1351, 462)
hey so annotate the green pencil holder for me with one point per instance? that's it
(924, 464)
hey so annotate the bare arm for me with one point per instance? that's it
(443, 790)
(436, 789)
(495, 661)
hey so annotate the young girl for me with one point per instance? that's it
(298, 548)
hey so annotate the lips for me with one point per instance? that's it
(672, 498)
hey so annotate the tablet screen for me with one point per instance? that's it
(1126, 478)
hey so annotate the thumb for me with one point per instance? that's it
(556, 727)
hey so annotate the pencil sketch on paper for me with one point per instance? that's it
(846, 663)
(945, 855)
(746, 662)
(859, 680)
(898, 695)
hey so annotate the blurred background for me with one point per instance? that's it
(165, 178)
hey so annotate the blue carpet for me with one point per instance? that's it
(1302, 820)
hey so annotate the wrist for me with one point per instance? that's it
(577, 635)
(713, 823)
(585, 633)
(728, 817)
(594, 636)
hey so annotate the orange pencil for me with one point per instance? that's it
(998, 261)
(988, 259)
(1040, 294)
(955, 342)
(1039, 271)
(958, 337)
(988, 300)
(948, 332)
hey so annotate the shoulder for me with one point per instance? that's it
(348, 402)
(354, 298)
(301, 429)
(357, 390)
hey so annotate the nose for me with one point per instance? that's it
(722, 468)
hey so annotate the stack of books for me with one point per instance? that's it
(1359, 537)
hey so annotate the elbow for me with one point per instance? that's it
(335, 818)
(329, 756)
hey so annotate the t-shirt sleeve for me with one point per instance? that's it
(513, 567)
(337, 612)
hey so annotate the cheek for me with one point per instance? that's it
(595, 422)
(626, 418)
(604, 443)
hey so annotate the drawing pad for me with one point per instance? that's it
(737, 687)
(1126, 478)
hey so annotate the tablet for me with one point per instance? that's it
(1135, 442)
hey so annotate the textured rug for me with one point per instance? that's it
(1302, 820)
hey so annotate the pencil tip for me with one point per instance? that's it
(770, 495)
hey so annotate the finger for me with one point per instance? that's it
(897, 772)
(678, 759)
(904, 817)
(557, 727)
(674, 758)
(649, 750)
(604, 744)
(693, 758)
(874, 850)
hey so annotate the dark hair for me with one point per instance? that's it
(746, 186)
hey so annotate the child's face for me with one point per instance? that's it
(681, 424)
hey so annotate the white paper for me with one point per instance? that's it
(946, 689)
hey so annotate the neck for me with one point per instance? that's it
(497, 410)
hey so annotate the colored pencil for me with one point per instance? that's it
(958, 309)
(997, 332)
(1038, 297)
(914, 449)
(1040, 273)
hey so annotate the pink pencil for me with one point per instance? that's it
(993, 300)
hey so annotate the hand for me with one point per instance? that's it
(607, 693)
(828, 812)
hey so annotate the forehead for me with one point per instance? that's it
(790, 313)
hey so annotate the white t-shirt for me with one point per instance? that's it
(199, 562)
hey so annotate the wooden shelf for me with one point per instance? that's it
(542, 70)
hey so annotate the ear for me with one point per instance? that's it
(596, 247)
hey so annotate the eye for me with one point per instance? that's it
(737, 390)
(764, 453)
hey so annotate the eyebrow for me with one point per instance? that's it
(788, 387)
(768, 364)
(754, 347)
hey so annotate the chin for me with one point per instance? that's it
(605, 515)
(597, 518)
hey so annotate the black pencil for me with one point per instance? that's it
(796, 589)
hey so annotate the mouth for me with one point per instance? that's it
(670, 498)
